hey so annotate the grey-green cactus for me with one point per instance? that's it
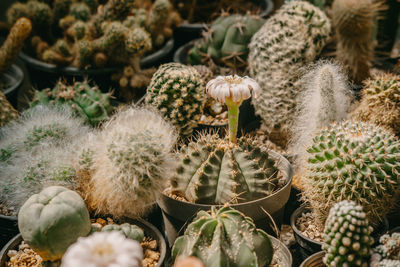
(178, 92)
(130, 231)
(347, 239)
(224, 237)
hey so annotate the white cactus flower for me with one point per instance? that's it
(104, 249)
(232, 86)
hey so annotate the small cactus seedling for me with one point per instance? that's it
(347, 239)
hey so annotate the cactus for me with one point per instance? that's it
(157, 18)
(128, 230)
(7, 111)
(212, 171)
(227, 40)
(224, 238)
(80, 11)
(131, 162)
(177, 91)
(14, 42)
(104, 249)
(387, 253)
(347, 240)
(61, 8)
(87, 101)
(353, 161)
(52, 220)
(325, 98)
(290, 39)
(380, 102)
(354, 22)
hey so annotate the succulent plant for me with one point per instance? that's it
(130, 231)
(289, 40)
(132, 161)
(353, 161)
(347, 240)
(380, 102)
(7, 111)
(52, 220)
(104, 249)
(87, 101)
(189, 261)
(224, 237)
(177, 91)
(226, 41)
(387, 253)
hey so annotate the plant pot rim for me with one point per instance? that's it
(296, 214)
(284, 249)
(9, 217)
(69, 70)
(317, 255)
(17, 73)
(177, 55)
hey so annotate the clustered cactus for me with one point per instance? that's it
(178, 92)
(226, 41)
(224, 237)
(291, 38)
(353, 161)
(7, 111)
(347, 240)
(387, 253)
(87, 101)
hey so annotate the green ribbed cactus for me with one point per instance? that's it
(224, 237)
(226, 41)
(178, 92)
(214, 171)
(130, 231)
(347, 240)
(289, 40)
(353, 161)
(87, 101)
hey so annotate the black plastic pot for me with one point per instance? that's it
(8, 228)
(149, 231)
(315, 260)
(177, 213)
(45, 75)
(13, 77)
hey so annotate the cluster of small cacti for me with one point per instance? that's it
(291, 38)
(222, 237)
(387, 253)
(226, 41)
(7, 111)
(178, 92)
(87, 101)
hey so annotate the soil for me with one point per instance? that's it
(6, 211)
(305, 223)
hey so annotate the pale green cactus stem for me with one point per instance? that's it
(232, 90)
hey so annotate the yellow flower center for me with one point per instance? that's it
(233, 80)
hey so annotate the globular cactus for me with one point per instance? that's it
(132, 161)
(52, 220)
(104, 249)
(14, 42)
(354, 22)
(226, 41)
(380, 102)
(87, 101)
(224, 237)
(80, 11)
(387, 253)
(289, 40)
(353, 161)
(347, 239)
(7, 111)
(157, 18)
(214, 171)
(178, 92)
(130, 231)
(61, 8)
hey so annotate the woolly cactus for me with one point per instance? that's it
(353, 161)
(104, 249)
(131, 162)
(291, 38)
(128, 230)
(87, 101)
(387, 253)
(347, 240)
(7, 111)
(381, 101)
(227, 40)
(177, 91)
(52, 220)
(224, 237)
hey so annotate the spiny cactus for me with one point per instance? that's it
(7, 111)
(178, 92)
(290, 39)
(227, 40)
(353, 161)
(380, 102)
(132, 161)
(80, 11)
(354, 22)
(214, 171)
(387, 253)
(347, 240)
(87, 101)
(224, 237)
(325, 98)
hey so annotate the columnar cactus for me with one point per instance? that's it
(353, 161)
(224, 237)
(380, 102)
(178, 92)
(347, 240)
(7, 111)
(291, 38)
